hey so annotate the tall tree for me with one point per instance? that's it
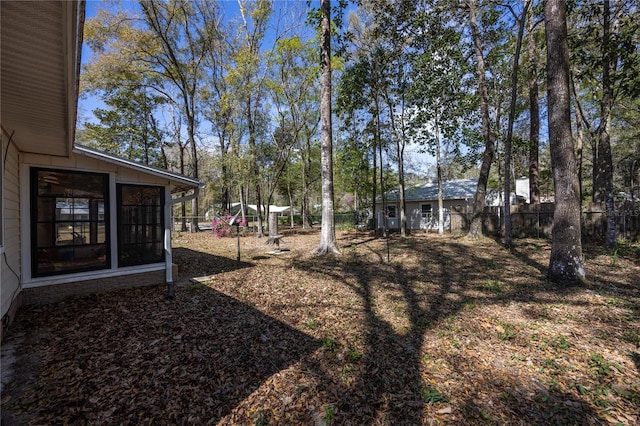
(128, 128)
(604, 49)
(489, 136)
(163, 48)
(534, 112)
(183, 32)
(565, 263)
(221, 102)
(512, 113)
(294, 88)
(603, 185)
(360, 93)
(356, 108)
(250, 82)
(327, 232)
(439, 93)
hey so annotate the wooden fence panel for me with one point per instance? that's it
(528, 220)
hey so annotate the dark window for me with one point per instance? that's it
(425, 211)
(70, 226)
(391, 211)
(140, 224)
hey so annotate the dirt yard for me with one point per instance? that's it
(422, 330)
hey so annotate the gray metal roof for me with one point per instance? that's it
(451, 190)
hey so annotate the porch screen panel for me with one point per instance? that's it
(140, 224)
(69, 231)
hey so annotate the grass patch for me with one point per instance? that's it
(601, 367)
(491, 286)
(506, 331)
(559, 343)
(353, 355)
(330, 345)
(312, 324)
(431, 395)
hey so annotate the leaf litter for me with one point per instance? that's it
(448, 331)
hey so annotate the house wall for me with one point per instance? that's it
(117, 174)
(10, 252)
(414, 214)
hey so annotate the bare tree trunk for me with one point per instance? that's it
(604, 190)
(255, 176)
(400, 143)
(384, 212)
(512, 113)
(327, 232)
(439, 178)
(579, 145)
(306, 211)
(566, 264)
(292, 222)
(475, 228)
(194, 171)
(534, 114)
(373, 181)
(243, 212)
(183, 205)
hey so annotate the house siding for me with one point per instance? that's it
(414, 214)
(10, 270)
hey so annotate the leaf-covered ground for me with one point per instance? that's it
(417, 330)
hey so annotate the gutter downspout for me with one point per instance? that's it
(167, 237)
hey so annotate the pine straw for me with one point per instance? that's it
(424, 330)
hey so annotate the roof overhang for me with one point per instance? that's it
(40, 64)
(179, 183)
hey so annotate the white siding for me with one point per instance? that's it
(414, 214)
(10, 261)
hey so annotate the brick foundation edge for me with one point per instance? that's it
(58, 292)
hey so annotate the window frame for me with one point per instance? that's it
(77, 247)
(392, 211)
(429, 213)
(157, 239)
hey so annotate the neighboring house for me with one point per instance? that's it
(421, 202)
(72, 219)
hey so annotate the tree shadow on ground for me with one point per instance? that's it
(207, 357)
(393, 386)
(196, 263)
(131, 355)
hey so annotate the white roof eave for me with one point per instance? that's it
(179, 180)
